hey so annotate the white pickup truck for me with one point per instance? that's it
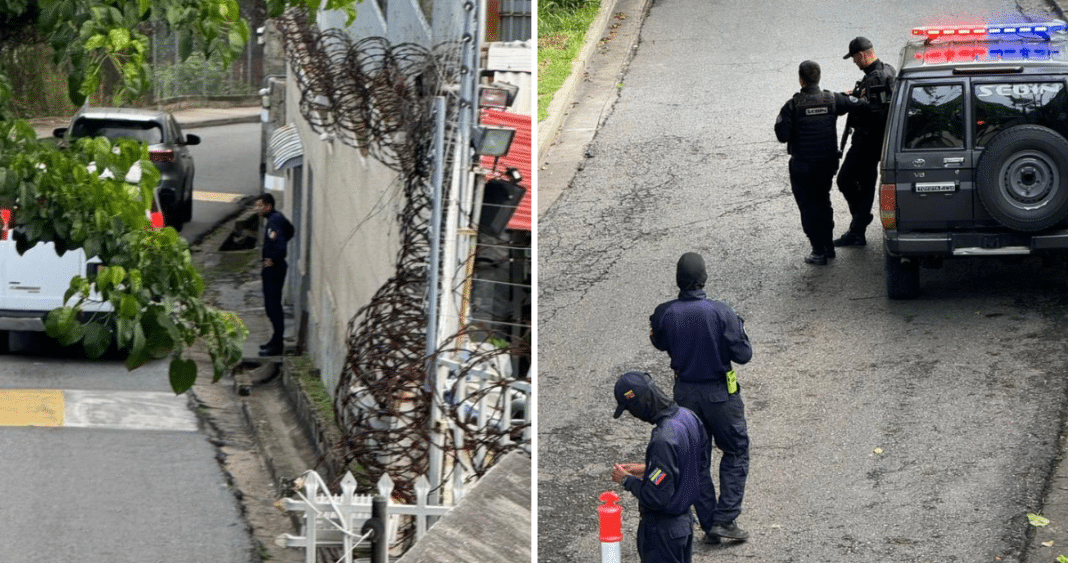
(34, 283)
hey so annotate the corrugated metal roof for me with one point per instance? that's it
(520, 155)
(284, 148)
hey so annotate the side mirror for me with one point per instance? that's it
(192, 139)
(59, 133)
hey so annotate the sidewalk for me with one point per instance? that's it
(586, 99)
(257, 416)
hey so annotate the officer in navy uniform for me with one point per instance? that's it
(860, 169)
(702, 337)
(808, 125)
(669, 481)
(276, 237)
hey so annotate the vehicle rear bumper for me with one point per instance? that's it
(22, 320)
(974, 244)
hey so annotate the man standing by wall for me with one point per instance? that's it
(860, 169)
(669, 481)
(276, 237)
(703, 337)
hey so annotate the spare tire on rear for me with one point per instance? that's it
(1022, 178)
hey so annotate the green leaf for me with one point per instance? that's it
(1037, 520)
(97, 339)
(59, 321)
(72, 334)
(143, 6)
(183, 375)
(129, 307)
(95, 42)
(138, 355)
(1062, 559)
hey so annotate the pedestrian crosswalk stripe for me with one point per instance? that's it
(218, 197)
(31, 407)
(123, 410)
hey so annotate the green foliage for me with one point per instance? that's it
(87, 33)
(79, 198)
(562, 26)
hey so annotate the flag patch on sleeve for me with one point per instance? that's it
(629, 394)
(657, 476)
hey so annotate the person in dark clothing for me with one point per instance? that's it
(860, 169)
(702, 337)
(669, 481)
(276, 237)
(808, 125)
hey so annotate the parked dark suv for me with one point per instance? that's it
(167, 148)
(975, 161)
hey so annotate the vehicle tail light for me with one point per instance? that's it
(888, 205)
(161, 156)
(157, 220)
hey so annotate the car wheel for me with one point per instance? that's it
(172, 217)
(187, 208)
(902, 278)
(1022, 178)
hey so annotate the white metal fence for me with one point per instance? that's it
(341, 521)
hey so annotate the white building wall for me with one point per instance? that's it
(351, 208)
(352, 201)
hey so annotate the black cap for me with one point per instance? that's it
(858, 45)
(630, 386)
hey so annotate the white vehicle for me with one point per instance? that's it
(34, 283)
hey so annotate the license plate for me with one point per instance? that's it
(935, 187)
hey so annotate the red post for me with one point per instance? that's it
(611, 519)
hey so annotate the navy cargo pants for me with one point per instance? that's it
(274, 279)
(724, 420)
(665, 539)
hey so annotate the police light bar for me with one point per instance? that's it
(974, 31)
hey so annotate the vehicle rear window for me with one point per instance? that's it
(935, 117)
(144, 131)
(1001, 106)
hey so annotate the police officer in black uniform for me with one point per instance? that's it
(860, 169)
(674, 472)
(807, 124)
(276, 237)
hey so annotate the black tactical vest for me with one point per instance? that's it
(815, 133)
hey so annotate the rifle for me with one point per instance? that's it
(849, 122)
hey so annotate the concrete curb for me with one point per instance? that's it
(581, 110)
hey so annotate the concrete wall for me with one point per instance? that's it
(349, 202)
(350, 237)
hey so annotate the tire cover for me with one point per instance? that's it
(1022, 178)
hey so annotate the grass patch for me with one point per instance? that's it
(562, 27)
(301, 367)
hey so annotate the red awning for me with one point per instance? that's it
(520, 155)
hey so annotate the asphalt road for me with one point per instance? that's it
(227, 169)
(881, 431)
(128, 476)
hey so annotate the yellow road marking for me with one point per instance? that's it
(31, 408)
(218, 197)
